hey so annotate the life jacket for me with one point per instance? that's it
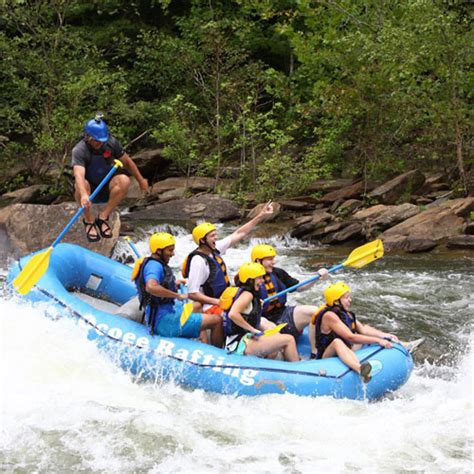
(227, 297)
(272, 286)
(99, 162)
(217, 280)
(323, 340)
(253, 318)
(149, 301)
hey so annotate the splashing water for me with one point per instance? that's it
(66, 407)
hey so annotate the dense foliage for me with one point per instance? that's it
(285, 91)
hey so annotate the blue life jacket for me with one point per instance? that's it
(253, 318)
(99, 163)
(218, 279)
(272, 286)
(323, 340)
(149, 303)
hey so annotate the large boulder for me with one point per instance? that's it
(203, 206)
(38, 193)
(434, 182)
(307, 225)
(465, 242)
(370, 213)
(194, 184)
(399, 189)
(327, 185)
(355, 190)
(391, 216)
(347, 207)
(410, 244)
(32, 227)
(151, 163)
(353, 231)
(296, 205)
(173, 194)
(436, 224)
(395, 214)
(6, 248)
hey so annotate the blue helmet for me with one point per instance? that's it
(97, 128)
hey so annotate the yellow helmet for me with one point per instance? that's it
(160, 241)
(333, 292)
(262, 251)
(201, 230)
(250, 270)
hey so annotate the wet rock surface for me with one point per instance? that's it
(32, 227)
(334, 212)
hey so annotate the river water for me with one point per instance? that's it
(65, 407)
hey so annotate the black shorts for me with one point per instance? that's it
(288, 318)
(103, 195)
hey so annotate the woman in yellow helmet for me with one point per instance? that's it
(157, 292)
(275, 280)
(204, 267)
(242, 321)
(339, 333)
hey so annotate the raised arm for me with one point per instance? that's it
(244, 230)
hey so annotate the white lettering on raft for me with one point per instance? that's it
(116, 333)
(166, 348)
(129, 337)
(245, 376)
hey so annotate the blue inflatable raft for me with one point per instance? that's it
(73, 269)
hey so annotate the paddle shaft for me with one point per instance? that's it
(333, 269)
(133, 247)
(81, 210)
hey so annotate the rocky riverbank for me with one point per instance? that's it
(414, 212)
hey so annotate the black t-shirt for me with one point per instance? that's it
(285, 278)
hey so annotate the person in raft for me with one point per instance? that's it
(339, 333)
(157, 293)
(242, 320)
(92, 159)
(276, 280)
(204, 267)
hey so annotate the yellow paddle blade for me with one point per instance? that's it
(365, 254)
(32, 272)
(187, 310)
(274, 330)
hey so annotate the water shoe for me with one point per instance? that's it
(365, 370)
(92, 232)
